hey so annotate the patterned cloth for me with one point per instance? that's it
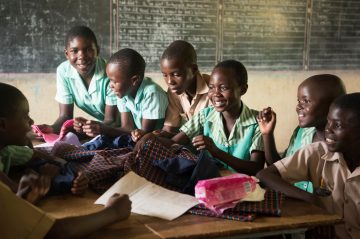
(246, 211)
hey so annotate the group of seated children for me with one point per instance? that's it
(206, 114)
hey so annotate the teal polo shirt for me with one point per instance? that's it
(70, 89)
(244, 137)
(300, 138)
(150, 102)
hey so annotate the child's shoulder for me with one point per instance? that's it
(152, 87)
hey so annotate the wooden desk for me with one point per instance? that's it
(296, 217)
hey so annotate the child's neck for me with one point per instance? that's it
(134, 90)
(319, 135)
(352, 159)
(230, 117)
(191, 91)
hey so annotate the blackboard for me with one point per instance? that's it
(151, 25)
(263, 34)
(335, 35)
(33, 32)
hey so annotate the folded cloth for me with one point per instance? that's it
(105, 142)
(221, 193)
(61, 183)
(246, 211)
(52, 138)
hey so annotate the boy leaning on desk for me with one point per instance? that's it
(331, 165)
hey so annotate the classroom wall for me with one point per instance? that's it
(266, 88)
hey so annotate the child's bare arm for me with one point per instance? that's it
(251, 167)
(117, 208)
(267, 121)
(93, 128)
(271, 178)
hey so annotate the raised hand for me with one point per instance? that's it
(266, 120)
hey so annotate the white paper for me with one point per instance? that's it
(150, 199)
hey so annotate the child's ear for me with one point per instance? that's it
(243, 89)
(135, 80)
(66, 53)
(194, 68)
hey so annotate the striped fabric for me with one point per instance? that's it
(246, 211)
(150, 102)
(244, 137)
(13, 155)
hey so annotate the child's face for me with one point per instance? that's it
(119, 82)
(177, 75)
(342, 132)
(82, 53)
(224, 91)
(18, 124)
(312, 108)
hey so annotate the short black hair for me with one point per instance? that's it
(10, 96)
(130, 61)
(238, 68)
(329, 84)
(349, 102)
(81, 31)
(180, 49)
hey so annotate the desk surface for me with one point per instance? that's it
(295, 215)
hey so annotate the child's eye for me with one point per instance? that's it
(338, 126)
(211, 87)
(304, 101)
(223, 88)
(90, 50)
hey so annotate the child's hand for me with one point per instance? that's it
(80, 184)
(33, 186)
(79, 122)
(267, 121)
(44, 128)
(92, 128)
(140, 144)
(137, 134)
(120, 204)
(202, 142)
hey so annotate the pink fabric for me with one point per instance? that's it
(52, 138)
(221, 193)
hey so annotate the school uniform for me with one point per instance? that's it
(244, 137)
(300, 138)
(315, 162)
(20, 219)
(181, 109)
(150, 103)
(13, 155)
(70, 89)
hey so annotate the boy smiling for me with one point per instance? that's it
(332, 164)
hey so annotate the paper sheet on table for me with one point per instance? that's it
(150, 199)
